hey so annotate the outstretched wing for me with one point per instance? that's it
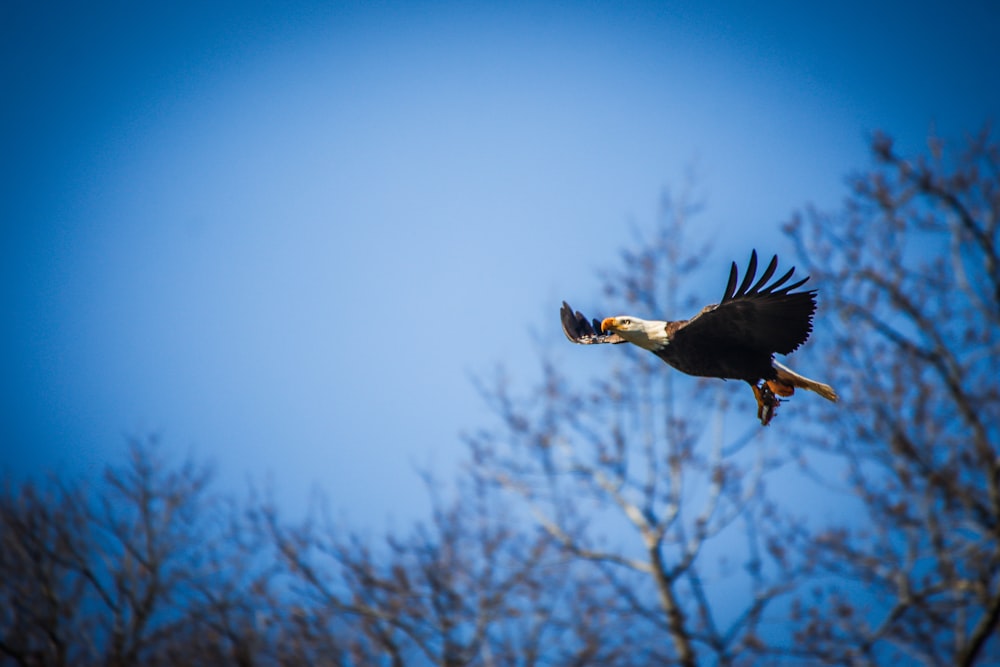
(581, 330)
(755, 315)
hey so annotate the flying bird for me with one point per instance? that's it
(736, 338)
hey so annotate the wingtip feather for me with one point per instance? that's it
(731, 285)
(768, 272)
(748, 276)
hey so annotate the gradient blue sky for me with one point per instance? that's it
(211, 212)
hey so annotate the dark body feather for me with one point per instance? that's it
(736, 338)
(739, 337)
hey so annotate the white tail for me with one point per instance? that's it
(789, 377)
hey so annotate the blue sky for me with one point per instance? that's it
(284, 235)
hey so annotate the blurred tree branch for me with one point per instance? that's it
(467, 585)
(912, 293)
(120, 575)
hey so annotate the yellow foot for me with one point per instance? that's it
(780, 388)
(760, 403)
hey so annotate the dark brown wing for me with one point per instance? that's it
(581, 330)
(755, 316)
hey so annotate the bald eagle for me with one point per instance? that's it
(734, 339)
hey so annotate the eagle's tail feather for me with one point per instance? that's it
(790, 379)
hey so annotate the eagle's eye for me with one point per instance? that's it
(626, 322)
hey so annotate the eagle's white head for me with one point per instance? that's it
(647, 334)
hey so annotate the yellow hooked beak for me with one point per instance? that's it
(609, 323)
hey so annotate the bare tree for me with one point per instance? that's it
(642, 486)
(41, 529)
(142, 569)
(911, 277)
(470, 587)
